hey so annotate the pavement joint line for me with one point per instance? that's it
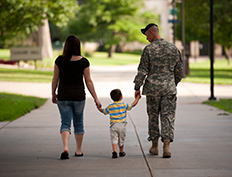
(4, 125)
(141, 147)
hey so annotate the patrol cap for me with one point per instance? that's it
(147, 27)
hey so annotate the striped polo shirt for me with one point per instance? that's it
(117, 112)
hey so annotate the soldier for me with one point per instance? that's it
(161, 67)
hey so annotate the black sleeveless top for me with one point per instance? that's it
(71, 86)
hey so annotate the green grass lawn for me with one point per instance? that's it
(100, 58)
(223, 104)
(14, 106)
(200, 72)
(25, 75)
(97, 58)
(4, 54)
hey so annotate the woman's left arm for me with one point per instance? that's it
(55, 83)
(90, 86)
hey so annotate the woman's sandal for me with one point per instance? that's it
(64, 155)
(79, 155)
(122, 154)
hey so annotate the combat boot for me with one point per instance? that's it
(166, 149)
(154, 148)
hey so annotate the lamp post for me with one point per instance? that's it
(211, 54)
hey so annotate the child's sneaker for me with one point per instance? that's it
(122, 154)
(114, 154)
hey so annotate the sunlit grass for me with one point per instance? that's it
(96, 58)
(14, 106)
(4, 54)
(200, 72)
(101, 58)
(223, 104)
(25, 75)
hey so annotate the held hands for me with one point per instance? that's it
(137, 94)
(98, 104)
(100, 109)
(137, 97)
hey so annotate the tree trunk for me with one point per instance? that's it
(111, 50)
(228, 54)
(119, 47)
(187, 70)
(42, 38)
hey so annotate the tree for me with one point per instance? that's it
(197, 22)
(223, 25)
(27, 16)
(113, 21)
(18, 17)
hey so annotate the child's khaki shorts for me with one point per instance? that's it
(118, 134)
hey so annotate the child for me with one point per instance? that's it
(117, 111)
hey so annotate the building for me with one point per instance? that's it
(162, 7)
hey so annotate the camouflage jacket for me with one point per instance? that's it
(161, 67)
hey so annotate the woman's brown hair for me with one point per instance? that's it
(72, 46)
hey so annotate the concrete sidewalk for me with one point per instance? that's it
(31, 145)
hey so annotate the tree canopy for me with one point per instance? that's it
(24, 16)
(112, 21)
(197, 21)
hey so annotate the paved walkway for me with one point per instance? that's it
(31, 145)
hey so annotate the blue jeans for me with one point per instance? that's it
(71, 110)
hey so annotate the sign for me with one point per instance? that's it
(25, 53)
(173, 21)
(173, 11)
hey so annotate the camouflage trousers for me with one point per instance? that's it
(165, 108)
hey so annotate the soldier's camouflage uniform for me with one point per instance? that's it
(161, 67)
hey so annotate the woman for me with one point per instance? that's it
(69, 70)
